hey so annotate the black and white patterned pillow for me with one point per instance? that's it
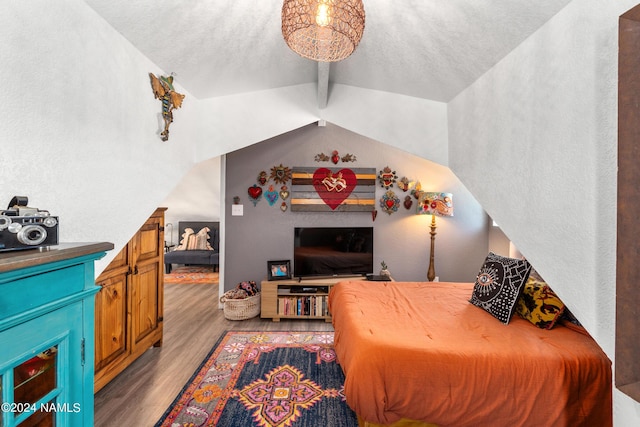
(499, 285)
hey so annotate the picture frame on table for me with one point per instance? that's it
(279, 270)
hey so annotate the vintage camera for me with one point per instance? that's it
(22, 227)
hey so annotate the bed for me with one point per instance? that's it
(197, 246)
(414, 351)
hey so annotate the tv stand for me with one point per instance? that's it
(299, 298)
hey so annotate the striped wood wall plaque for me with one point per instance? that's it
(310, 196)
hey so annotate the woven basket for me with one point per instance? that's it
(241, 309)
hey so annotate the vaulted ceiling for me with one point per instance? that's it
(430, 49)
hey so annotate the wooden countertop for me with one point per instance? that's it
(13, 260)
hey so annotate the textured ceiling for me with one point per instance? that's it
(429, 49)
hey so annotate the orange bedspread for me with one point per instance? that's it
(421, 351)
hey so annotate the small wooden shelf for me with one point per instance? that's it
(293, 299)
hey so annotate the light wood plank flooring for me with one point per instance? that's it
(192, 325)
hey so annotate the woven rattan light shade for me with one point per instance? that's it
(323, 30)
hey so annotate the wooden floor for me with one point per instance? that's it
(192, 325)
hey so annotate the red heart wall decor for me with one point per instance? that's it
(334, 188)
(335, 158)
(255, 193)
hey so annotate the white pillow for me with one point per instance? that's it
(195, 241)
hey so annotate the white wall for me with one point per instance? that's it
(535, 140)
(80, 124)
(232, 122)
(499, 243)
(415, 125)
(195, 198)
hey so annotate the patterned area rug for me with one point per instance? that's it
(265, 379)
(189, 275)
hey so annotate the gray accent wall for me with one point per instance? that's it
(401, 239)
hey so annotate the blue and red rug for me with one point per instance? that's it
(265, 379)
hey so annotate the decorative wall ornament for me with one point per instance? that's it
(348, 158)
(327, 190)
(335, 157)
(255, 194)
(280, 174)
(389, 202)
(374, 214)
(387, 177)
(284, 192)
(163, 90)
(283, 207)
(271, 195)
(334, 188)
(417, 191)
(263, 178)
(408, 202)
(342, 181)
(405, 184)
(321, 157)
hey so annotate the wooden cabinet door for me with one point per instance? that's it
(146, 284)
(144, 301)
(148, 243)
(111, 319)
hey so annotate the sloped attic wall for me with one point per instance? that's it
(535, 140)
(538, 118)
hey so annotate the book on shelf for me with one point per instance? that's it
(313, 305)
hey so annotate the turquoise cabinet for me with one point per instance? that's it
(47, 335)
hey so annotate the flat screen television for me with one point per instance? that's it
(332, 251)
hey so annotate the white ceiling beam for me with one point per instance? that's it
(323, 84)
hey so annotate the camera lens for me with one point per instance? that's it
(32, 235)
(4, 222)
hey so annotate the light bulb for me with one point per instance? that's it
(322, 15)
